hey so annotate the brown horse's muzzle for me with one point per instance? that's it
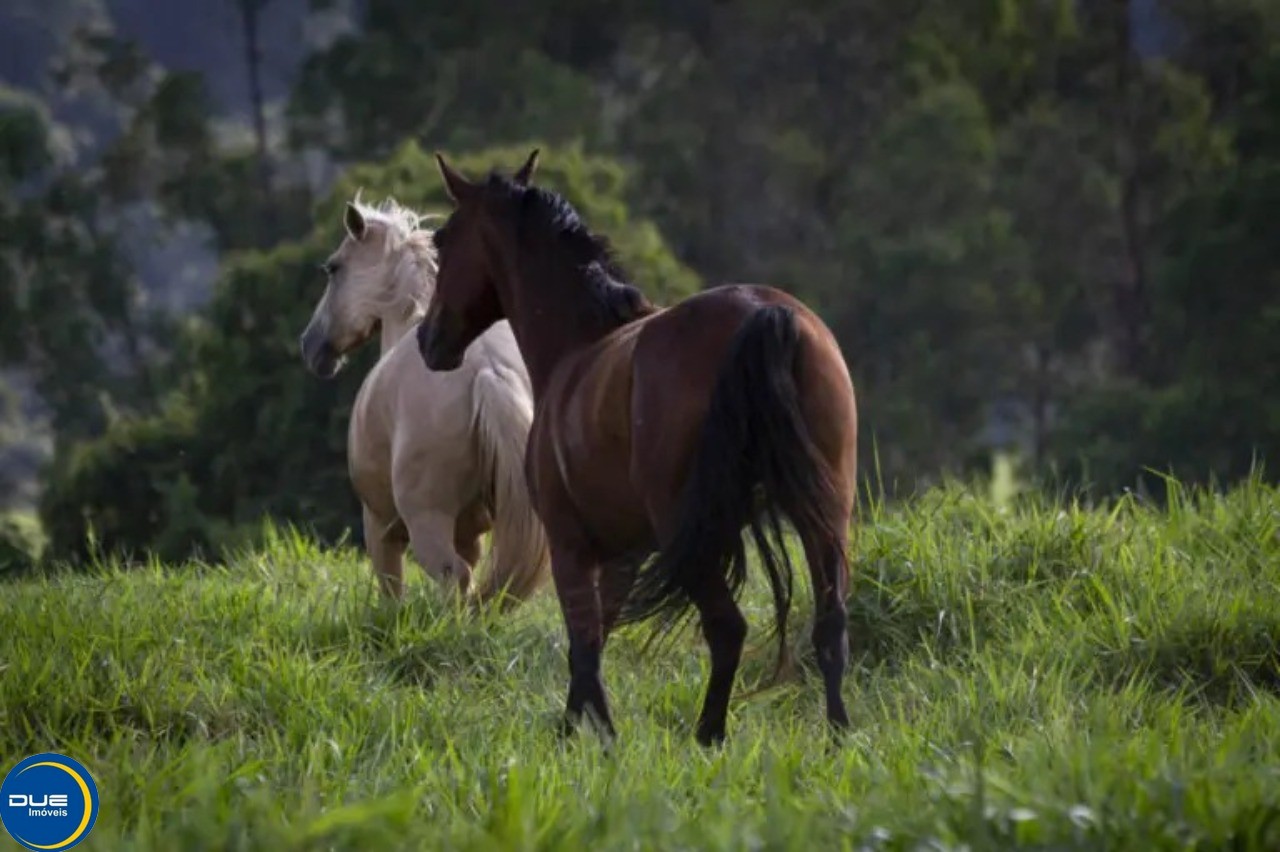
(440, 342)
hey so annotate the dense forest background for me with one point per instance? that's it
(1040, 226)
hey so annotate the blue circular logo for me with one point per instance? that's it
(48, 801)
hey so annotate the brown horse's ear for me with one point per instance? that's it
(458, 187)
(354, 222)
(525, 174)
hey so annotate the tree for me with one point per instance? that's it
(166, 151)
(455, 75)
(66, 310)
(1207, 409)
(925, 244)
(250, 12)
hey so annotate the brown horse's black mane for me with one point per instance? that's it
(541, 210)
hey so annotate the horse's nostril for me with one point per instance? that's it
(308, 341)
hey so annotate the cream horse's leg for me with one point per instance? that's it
(434, 484)
(473, 522)
(430, 507)
(431, 538)
(386, 551)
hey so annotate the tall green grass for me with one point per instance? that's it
(1034, 676)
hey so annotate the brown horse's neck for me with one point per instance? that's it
(561, 314)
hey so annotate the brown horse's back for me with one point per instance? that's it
(622, 419)
(678, 359)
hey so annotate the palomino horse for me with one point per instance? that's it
(437, 460)
(666, 430)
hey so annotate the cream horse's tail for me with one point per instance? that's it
(518, 558)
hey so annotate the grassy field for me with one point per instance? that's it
(1040, 676)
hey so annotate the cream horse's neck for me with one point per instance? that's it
(413, 277)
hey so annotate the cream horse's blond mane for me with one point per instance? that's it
(413, 277)
(393, 214)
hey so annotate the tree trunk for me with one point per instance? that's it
(1041, 395)
(717, 148)
(249, 12)
(1130, 297)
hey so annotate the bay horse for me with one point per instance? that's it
(660, 431)
(436, 462)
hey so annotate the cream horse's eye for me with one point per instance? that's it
(330, 267)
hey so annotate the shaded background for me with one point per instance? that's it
(1042, 230)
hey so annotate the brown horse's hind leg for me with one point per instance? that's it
(385, 543)
(831, 414)
(828, 571)
(725, 630)
(723, 626)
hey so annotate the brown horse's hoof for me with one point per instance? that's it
(567, 730)
(710, 738)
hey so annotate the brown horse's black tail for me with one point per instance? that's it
(756, 464)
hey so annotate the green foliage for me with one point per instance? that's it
(22, 543)
(65, 292)
(130, 490)
(1047, 677)
(473, 75)
(24, 138)
(167, 150)
(925, 218)
(23, 447)
(1211, 409)
(70, 314)
(251, 433)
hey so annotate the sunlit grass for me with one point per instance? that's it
(1036, 675)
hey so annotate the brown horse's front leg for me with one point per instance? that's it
(575, 584)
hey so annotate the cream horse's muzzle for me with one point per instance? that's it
(318, 353)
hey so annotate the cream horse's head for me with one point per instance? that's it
(380, 277)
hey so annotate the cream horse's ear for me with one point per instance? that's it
(354, 222)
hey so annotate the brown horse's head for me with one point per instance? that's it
(466, 300)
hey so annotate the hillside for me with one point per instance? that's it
(1046, 676)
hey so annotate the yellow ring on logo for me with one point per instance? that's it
(88, 805)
